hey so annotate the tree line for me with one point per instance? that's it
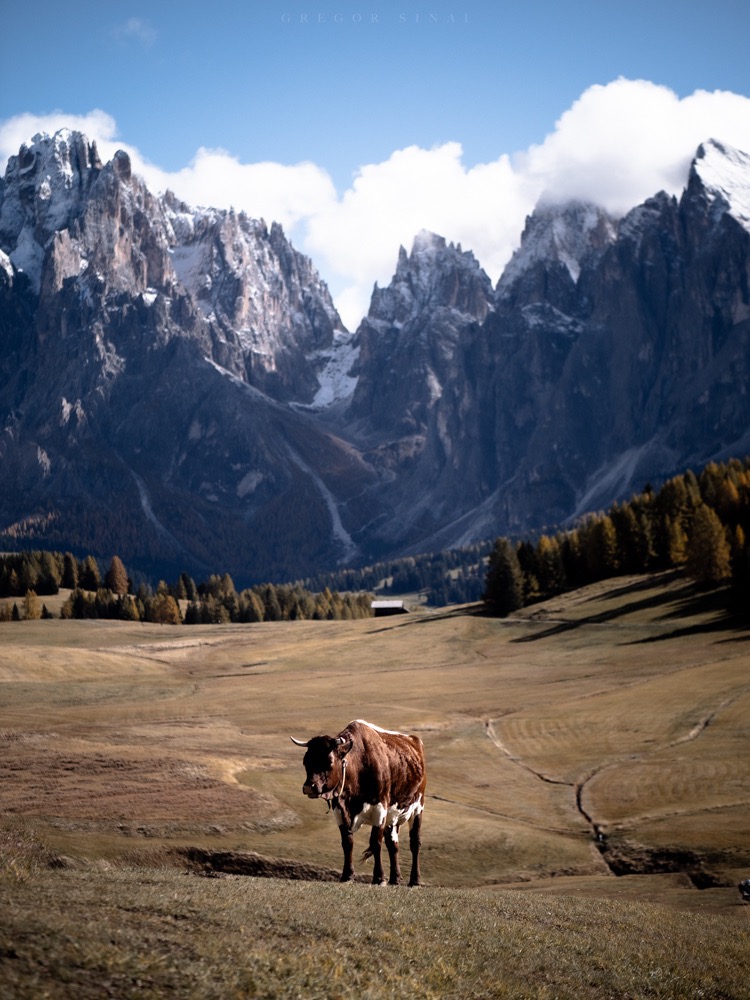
(700, 524)
(454, 576)
(215, 601)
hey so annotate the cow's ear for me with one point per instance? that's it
(344, 748)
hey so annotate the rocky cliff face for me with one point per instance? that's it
(267, 308)
(146, 352)
(611, 353)
(176, 386)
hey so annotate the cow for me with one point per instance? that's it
(375, 777)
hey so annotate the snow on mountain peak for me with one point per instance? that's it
(724, 173)
(58, 158)
(41, 191)
(568, 233)
(434, 273)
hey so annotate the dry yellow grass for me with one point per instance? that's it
(129, 753)
(623, 706)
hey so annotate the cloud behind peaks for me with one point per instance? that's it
(621, 143)
(616, 145)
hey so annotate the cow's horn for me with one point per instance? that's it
(298, 742)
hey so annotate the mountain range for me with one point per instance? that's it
(177, 387)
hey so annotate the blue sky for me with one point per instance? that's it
(477, 87)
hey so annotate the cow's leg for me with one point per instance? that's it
(415, 842)
(347, 842)
(376, 842)
(391, 842)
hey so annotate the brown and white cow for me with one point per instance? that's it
(375, 777)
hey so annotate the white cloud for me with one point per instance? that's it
(616, 145)
(358, 236)
(621, 143)
(16, 131)
(273, 191)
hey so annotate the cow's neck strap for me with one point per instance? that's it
(340, 789)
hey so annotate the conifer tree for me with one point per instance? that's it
(271, 603)
(162, 610)
(251, 607)
(573, 557)
(550, 566)
(29, 571)
(708, 555)
(89, 576)
(31, 608)
(677, 543)
(116, 577)
(128, 610)
(738, 546)
(504, 586)
(601, 547)
(626, 529)
(50, 574)
(70, 572)
(193, 613)
(727, 501)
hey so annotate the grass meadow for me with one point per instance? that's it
(588, 812)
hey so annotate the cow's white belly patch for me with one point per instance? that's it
(376, 814)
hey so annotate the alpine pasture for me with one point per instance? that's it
(587, 819)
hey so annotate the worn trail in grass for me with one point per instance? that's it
(602, 731)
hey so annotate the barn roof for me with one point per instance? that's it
(389, 607)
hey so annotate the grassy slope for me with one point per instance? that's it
(156, 933)
(123, 741)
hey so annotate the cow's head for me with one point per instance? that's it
(324, 763)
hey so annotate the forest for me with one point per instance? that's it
(34, 575)
(699, 524)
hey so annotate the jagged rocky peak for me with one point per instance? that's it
(436, 274)
(574, 234)
(263, 297)
(721, 174)
(646, 218)
(64, 213)
(415, 328)
(43, 189)
(612, 353)
(53, 171)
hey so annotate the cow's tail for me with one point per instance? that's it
(366, 856)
